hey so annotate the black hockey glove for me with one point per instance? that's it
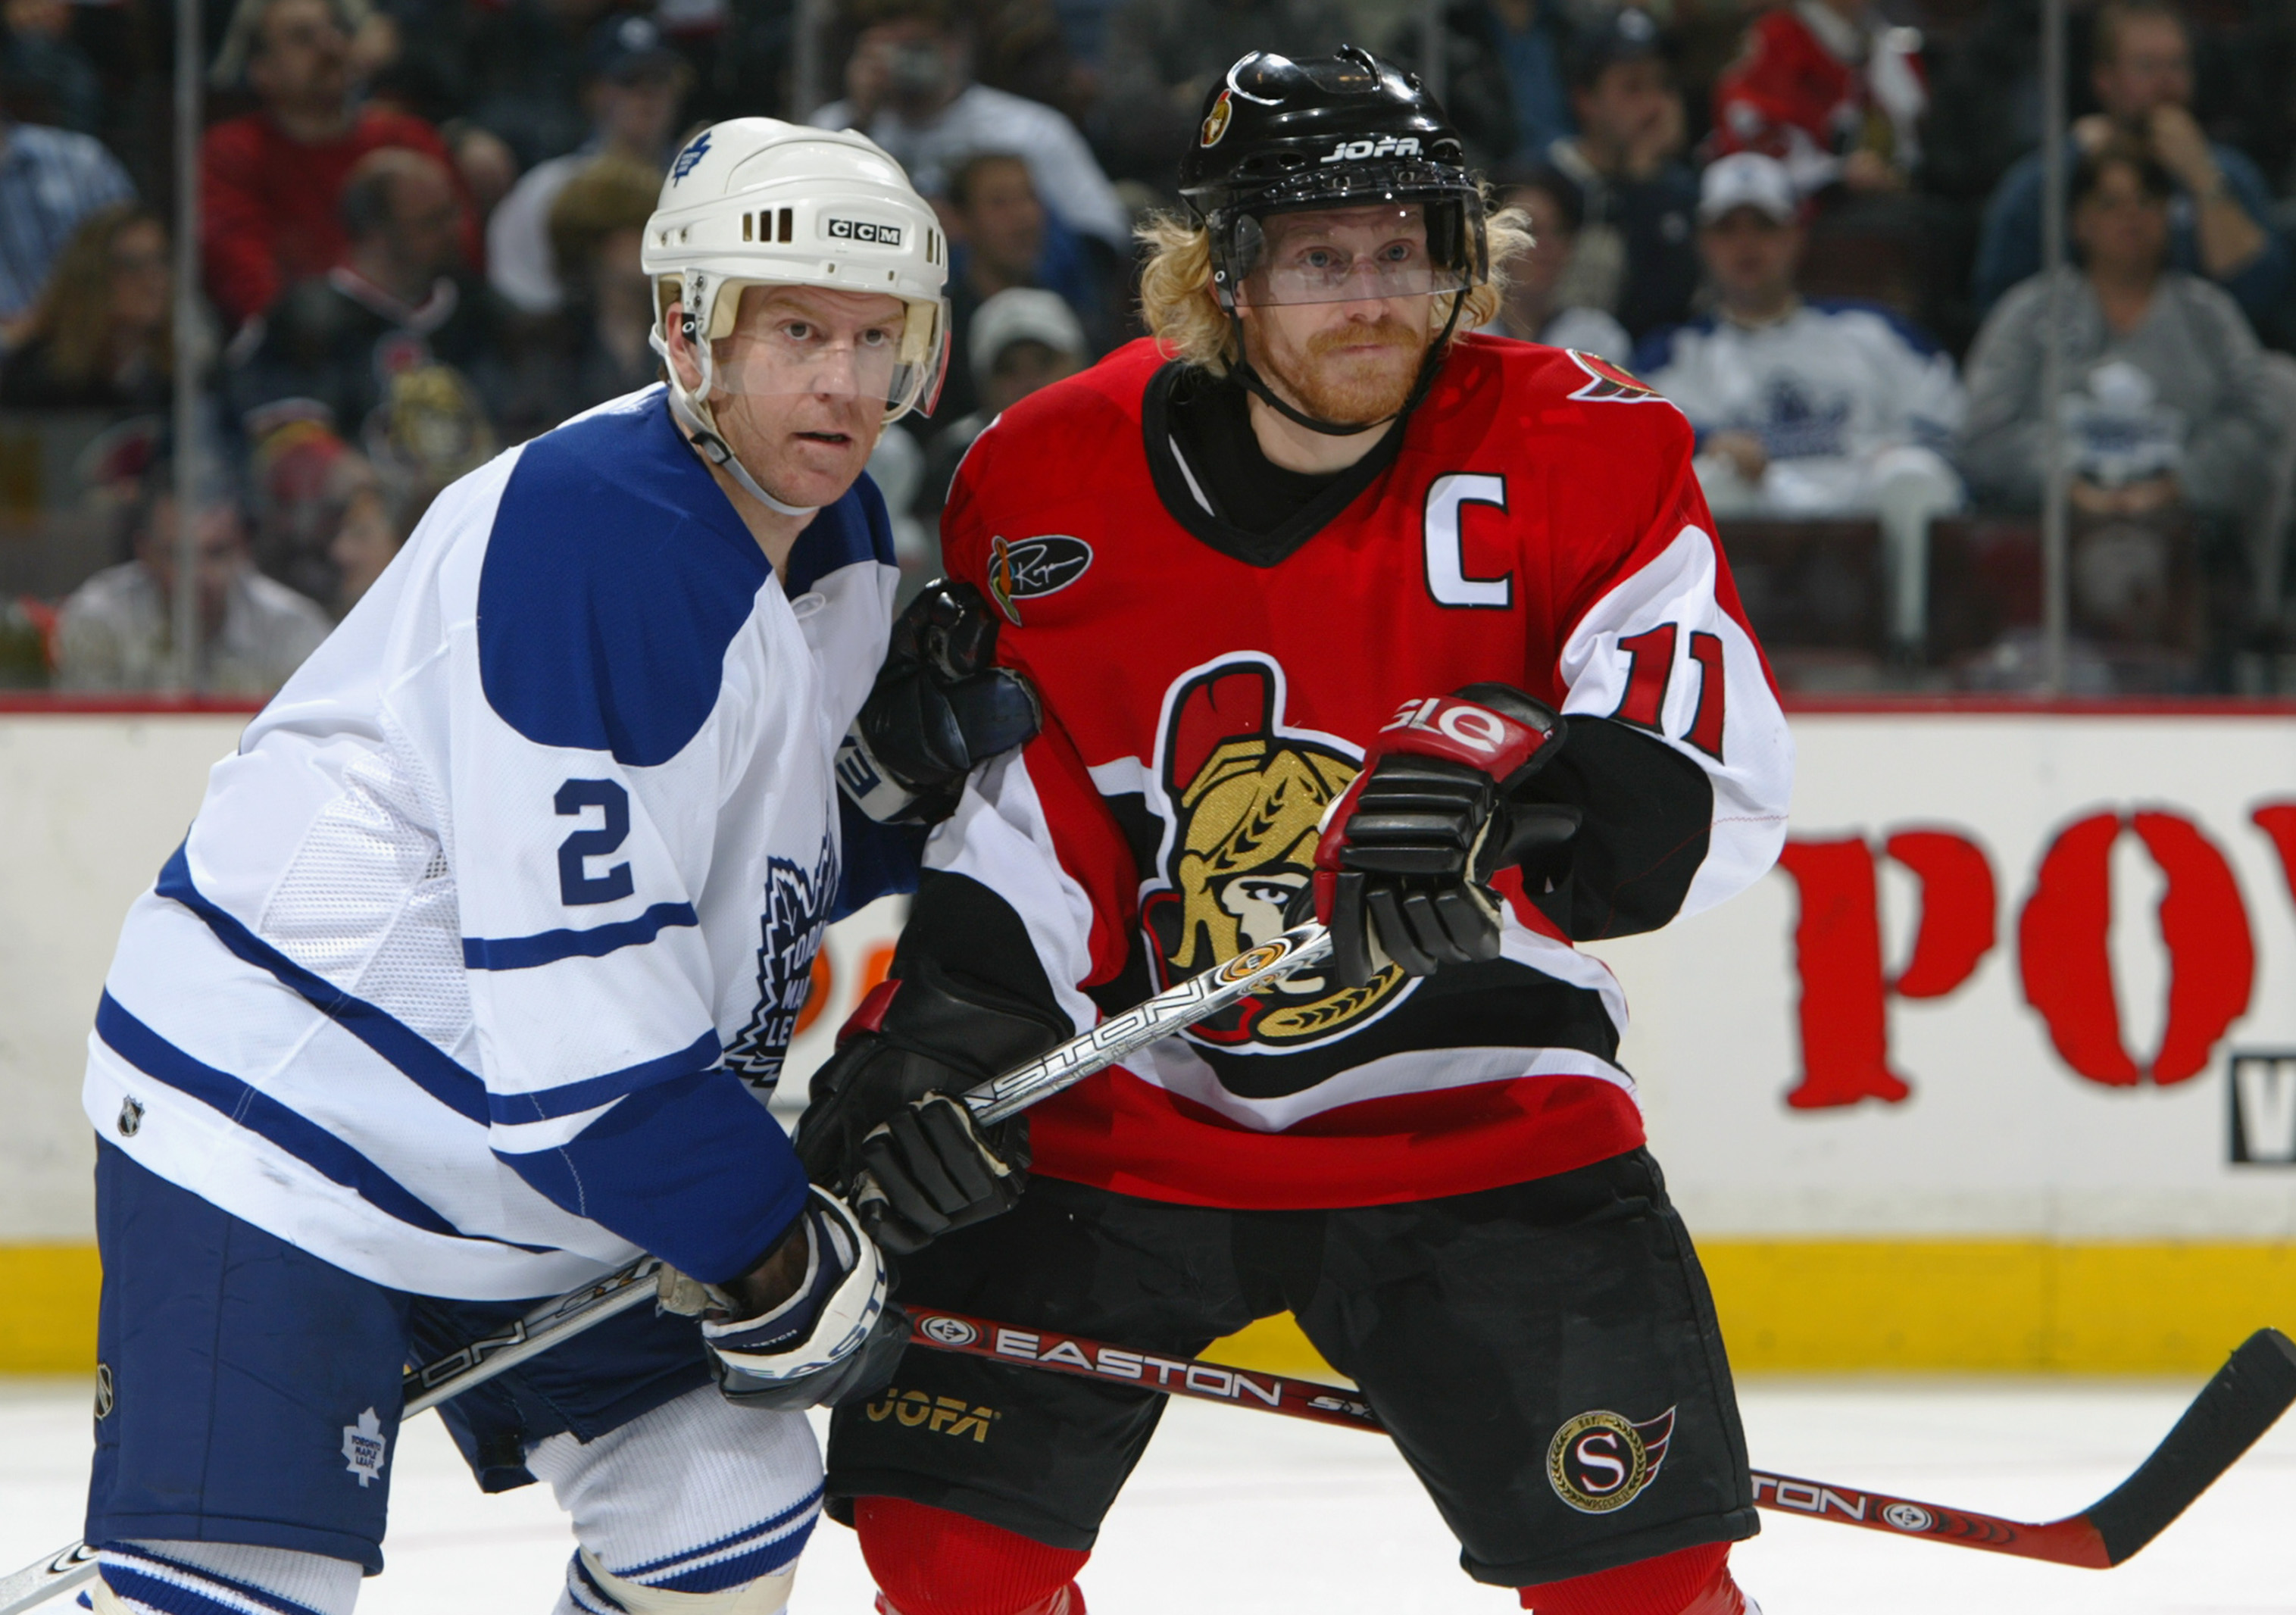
(1402, 869)
(939, 706)
(883, 1126)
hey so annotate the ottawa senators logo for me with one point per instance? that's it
(1243, 796)
(1215, 121)
(1609, 384)
(1600, 1460)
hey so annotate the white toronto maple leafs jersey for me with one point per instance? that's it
(465, 973)
(1833, 378)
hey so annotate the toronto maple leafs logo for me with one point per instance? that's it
(365, 1445)
(692, 155)
(796, 914)
(1801, 424)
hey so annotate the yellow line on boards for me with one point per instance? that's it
(1999, 1306)
(48, 1308)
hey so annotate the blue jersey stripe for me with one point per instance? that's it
(261, 1114)
(570, 1098)
(694, 1169)
(439, 1075)
(769, 1556)
(765, 1528)
(594, 942)
(120, 1562)
(150, 1592)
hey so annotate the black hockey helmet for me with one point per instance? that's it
(1340, 131)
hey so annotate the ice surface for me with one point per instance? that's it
(1236, 1511)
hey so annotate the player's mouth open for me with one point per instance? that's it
(837, 439)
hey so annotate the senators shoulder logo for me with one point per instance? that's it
(1244, 796)
(1607, 383)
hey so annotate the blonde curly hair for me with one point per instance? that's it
(1183, 313)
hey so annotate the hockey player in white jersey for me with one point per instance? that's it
(457, 991)
(1807, 408)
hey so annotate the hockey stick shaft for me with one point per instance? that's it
(1197, 998)
(2244, 1398)
(1194, 999)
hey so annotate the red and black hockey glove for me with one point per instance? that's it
(940, 705)
(882, 1107)
(1402, 869)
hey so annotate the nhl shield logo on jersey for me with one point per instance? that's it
(1025, 568)
(1607, 383)
(1243, 796)
(1600, 1460)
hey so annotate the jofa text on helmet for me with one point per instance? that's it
(1386, 145)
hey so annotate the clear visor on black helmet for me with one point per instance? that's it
(1344, 250)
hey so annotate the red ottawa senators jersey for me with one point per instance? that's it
(1537, 524)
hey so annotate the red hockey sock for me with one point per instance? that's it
(1691, 1581)
(931, 1561)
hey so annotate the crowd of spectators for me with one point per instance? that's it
(1814, 226)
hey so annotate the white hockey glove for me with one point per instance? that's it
(834, 1339)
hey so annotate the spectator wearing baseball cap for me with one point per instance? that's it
(633, 85)
(1021, 339)
(1635, 258)
(1804, 407)
(1002, 236)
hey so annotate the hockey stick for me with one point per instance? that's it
(2233, 1409)
(1194, 999)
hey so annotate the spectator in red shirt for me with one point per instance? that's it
(271, 181)
(1829, 89)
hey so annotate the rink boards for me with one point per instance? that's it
(1999, 1070)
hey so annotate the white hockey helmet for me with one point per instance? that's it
(757, 202)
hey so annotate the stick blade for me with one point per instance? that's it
(2247, 1396)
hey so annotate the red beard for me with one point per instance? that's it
(1356, 388)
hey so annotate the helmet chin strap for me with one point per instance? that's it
(1242, 374)
(687, 412)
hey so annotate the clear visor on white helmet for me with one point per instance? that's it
(795, 343)
(1344, 256)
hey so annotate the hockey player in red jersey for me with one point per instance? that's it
(1331, 606)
